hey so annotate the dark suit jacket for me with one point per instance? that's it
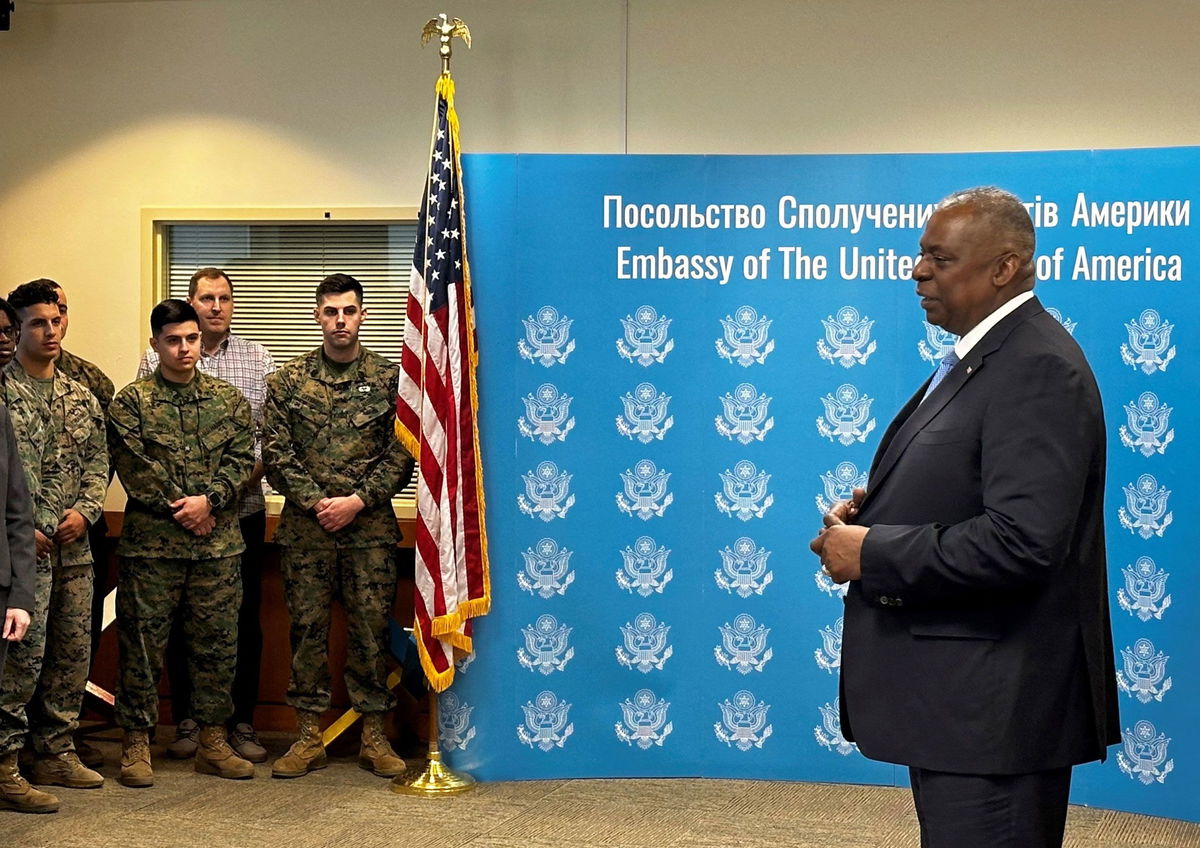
(978, 639)
(17, 554)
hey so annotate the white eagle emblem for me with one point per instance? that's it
(644, 720)
(746, 340)
(1145, 511)
(646, 645)
(745, 491)
(464, 662)
(1145, 754)
(829, 734)
(546, 725)
(646, 340)
(454, 723)
(743, 645)
(825, 584)
(645, 567)
(846, 414)
(547, 569)
(1145, 592)
(743, 721)
(645, 416)
(547, 415)
(1144, 674)
(829, 655)
(847, 338)
(1149, 346)
(1067, 323)
(936, 344)
(547, 647)
(547, 337)
(547, 492)
(744, 568)
(1146, 425)
(839, 485)
(645, 491)
(744, 414)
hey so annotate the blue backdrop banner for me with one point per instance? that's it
(686, 359)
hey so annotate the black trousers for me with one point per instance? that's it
(250, 638)
(991, 811)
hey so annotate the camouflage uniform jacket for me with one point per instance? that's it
(170, 442)
(77, 423)
(41, 455)
(82, 371)
(329, 435)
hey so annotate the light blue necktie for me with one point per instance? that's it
(948, 362)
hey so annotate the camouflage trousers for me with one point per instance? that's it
(54, 709)
(23, 666)
(151, 591)
(365, 580)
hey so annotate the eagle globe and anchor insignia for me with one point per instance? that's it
(743, 645)
(645, 647)
(645, 492)
(1145, 591)
(454, 723)
(547, 338)
(644, 720)
(1149, 347)
(744, 568)
(846, 416)
(746, 337)
(547, 493)
(743, 723)
(1145, 511)
(936, 344)
(847, 338)
(1144, 673)
(547, 647)
(546, 722)
(645, 414)
(645, 340)
(644, 567)
(1144, 756)
(744, 491)
(829, 734)
(547, 569)
(744, 414)
(547, 415)
(1146, 427)
(829, 655)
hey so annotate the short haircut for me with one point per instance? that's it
(33, 293)
(339, 284)
(7, 309)
(207, 274)
(1004, 211)
(171, 311)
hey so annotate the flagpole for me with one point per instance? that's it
(436, 778)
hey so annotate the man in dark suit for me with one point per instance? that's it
(16, 544)
(977, 647)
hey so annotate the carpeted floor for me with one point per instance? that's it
(343, 805)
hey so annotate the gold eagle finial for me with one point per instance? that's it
(445, 29)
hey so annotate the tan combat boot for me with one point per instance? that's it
(135, 760)
(17, 794)
(376, 754)
(65, 769)
(214, 756)
(307, 752)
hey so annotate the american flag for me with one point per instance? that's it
(436, 414)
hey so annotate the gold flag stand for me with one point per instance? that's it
(436, 778)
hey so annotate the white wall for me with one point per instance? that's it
(110, 107)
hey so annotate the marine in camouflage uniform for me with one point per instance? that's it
(90, 375)
(169, 441)
(77, 423)
(328, 434)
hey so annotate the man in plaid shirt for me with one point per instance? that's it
(244, 364)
